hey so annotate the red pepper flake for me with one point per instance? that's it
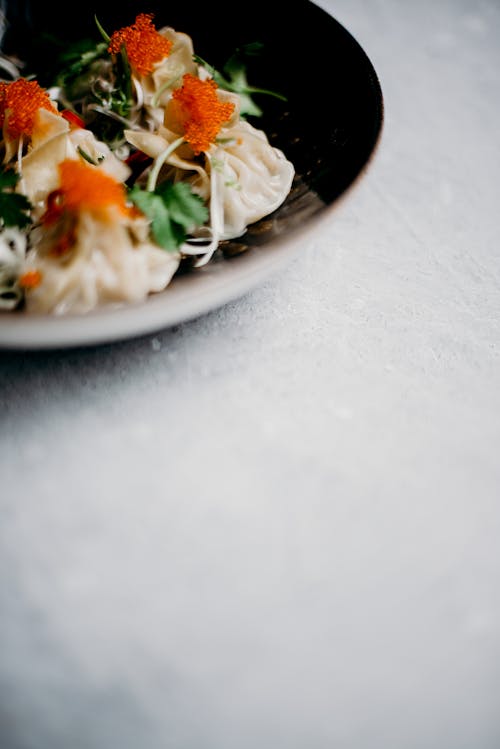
(21, 100)
(85, 187)
(143, 43)
(137, 158)
(74, 120)
(30, 279)
(201, 110)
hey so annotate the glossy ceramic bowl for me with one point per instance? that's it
(329, 127)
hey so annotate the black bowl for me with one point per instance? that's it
(328, 127)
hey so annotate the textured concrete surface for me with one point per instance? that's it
(278, 525)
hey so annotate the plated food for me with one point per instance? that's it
(138, 156)
(318, 101)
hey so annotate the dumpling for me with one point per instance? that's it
(158, 85)
(249, 178)
(106, 266)
(52, 142)
(238, 172)
(90, 248)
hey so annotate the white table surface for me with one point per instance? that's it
(278, 526)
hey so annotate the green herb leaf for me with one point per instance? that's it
(78, 58)
(102, 32)
(174, 211)
(14, 208)
(234, 78)
(99, 85)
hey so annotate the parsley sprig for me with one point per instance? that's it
(14, 207)
(173, 208)
(234, 78)
(98, 85)
(174, 211)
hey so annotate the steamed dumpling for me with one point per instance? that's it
(91, 248)
(105, 266)
(242, 176)
(53, 142)
(251, 177)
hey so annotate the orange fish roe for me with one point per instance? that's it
(204, 113)
(21, 100)
(84, 187)
(30, 280)
(143, 43)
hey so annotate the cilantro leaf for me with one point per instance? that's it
(98, 84)
(173, 210)
(14, 207)
(166, 232)
(234, 78)
(8, 178)
(78, 58)
(186, 208)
